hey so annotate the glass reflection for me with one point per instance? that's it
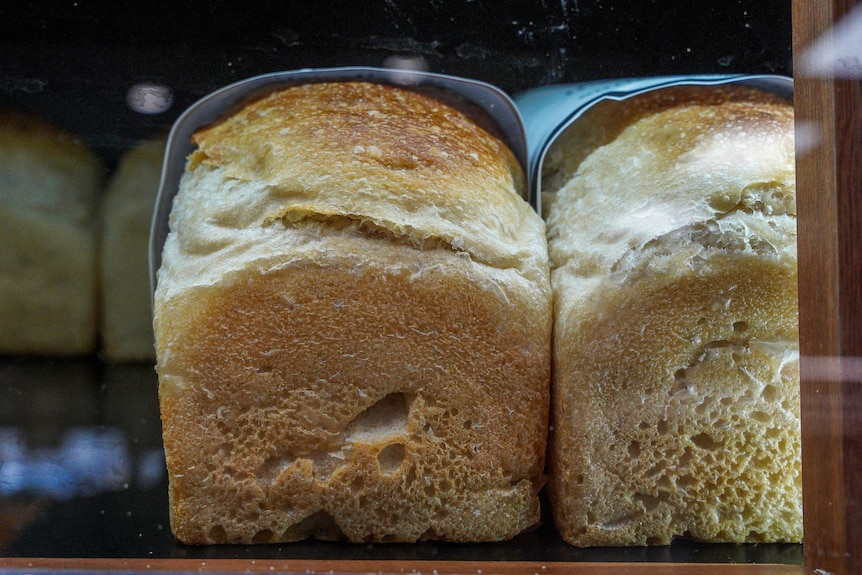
(86, 462)
(149, 98)
(838, 53)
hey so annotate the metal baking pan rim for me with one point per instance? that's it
(540, 144)
(495, 104)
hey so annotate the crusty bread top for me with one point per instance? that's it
(604, 121)
(718, 175)
(396, 161)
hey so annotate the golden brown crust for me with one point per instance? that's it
(317, 125)
(356, 150)
(327, 370)
(604, 121)
(676, 410)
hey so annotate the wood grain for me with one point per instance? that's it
(829, 182)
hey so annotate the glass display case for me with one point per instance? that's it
(83, 484)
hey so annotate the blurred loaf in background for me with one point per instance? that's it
(672, 237)
(49, 188)
(126, 213)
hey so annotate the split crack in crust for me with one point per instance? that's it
(370, 230)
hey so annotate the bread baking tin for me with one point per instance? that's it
(548, 111)
(486, 104)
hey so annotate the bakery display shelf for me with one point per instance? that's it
(394, 567)
(83, 486)
(122, 527)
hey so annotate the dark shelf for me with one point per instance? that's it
(57, 414)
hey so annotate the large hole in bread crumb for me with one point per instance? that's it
(383, 422)
(740, 327)
(324, 465)
(650, 502)
(430, 534)
(217, 534)
(706, 441)
(680, 382)
(761, 416)
(355, 224)
(263, 536)
(769, 393)
(272, 467)
(686, 481)
(390, 458)
(320, 525)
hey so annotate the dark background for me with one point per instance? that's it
(73, 61)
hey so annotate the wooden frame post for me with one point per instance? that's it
(829, 206)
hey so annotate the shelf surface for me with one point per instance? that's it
(82, 476)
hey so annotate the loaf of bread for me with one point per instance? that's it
(352, 324)
(126, 215)
(49, 186)
(676, 375)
